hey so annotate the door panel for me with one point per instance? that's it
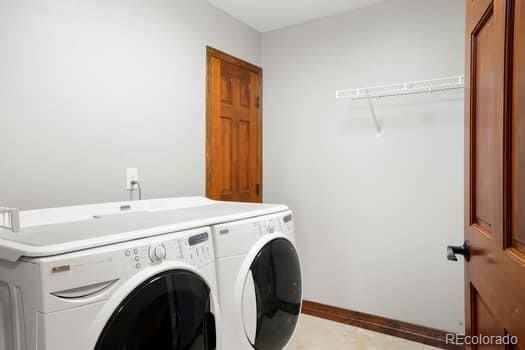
(495, 158)
(244, 156)
(484, 124)
(233, 161)
(244, 100)
(226, 91)
(485, 322)
(226, 155)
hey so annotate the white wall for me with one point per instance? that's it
(88, 88)
(373, 215)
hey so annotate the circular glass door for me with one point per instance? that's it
(272, 294)
(170, 311)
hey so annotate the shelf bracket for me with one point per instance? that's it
(378, 124)
(14, 219)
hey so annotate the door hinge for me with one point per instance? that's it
(258, 102)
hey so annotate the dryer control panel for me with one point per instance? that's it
(238, 237)
(287, 222)
(194, 249)
(282, 222)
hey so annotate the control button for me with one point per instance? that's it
(135, 251)
(128, 252)
(137, 266)
(270, 227)
(137, 258)
(157, 253)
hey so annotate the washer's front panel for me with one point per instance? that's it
(77, 285)
(69, 279)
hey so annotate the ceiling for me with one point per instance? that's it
(266, 15)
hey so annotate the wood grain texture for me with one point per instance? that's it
(495, 168)
(409, 331)
(484, 123)
(233, 128)
(516, 131)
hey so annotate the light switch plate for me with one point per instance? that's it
(132, 174)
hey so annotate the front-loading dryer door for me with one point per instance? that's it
(272, 296)
(170, 311)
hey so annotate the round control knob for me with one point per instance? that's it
(157, 253)
(270, 227)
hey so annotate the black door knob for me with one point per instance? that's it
(464, 250)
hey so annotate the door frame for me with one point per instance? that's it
(214, 53)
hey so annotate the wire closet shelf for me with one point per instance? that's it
(407, 88)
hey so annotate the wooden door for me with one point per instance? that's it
(233, 130)
(495, 169)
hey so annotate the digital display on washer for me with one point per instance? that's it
(287, 218)
(197, 239)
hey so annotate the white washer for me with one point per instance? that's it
(153, 293)
(107, 276)
(259, 282)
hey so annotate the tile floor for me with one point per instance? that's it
(317, 334)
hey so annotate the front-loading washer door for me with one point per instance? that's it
(170, 311)
(275, 279)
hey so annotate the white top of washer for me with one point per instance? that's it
(56, 231)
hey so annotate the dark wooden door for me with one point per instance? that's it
(233, 130)
(495, 169)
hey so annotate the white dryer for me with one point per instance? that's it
(259, 282)
(153, 293)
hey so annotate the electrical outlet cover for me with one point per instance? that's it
(132, 174)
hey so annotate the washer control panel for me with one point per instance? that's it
(199, 249)
(193, 248)
(157, 252)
